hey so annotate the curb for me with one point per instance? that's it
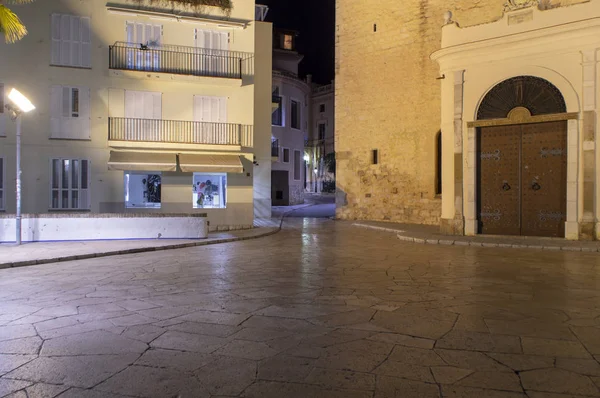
(139, 250)
(464, 243)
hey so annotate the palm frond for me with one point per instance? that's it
(11, 26)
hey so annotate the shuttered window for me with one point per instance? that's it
(143, 105)
(71, 41)
(70, 184)
(70, 113)
(210, 109)
(147, 35)
(212, 39)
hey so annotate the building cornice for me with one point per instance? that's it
(218, 22)
(563, 38)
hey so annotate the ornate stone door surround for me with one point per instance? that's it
(560, 45)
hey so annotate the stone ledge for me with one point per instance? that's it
(261, 234)
(424, 235)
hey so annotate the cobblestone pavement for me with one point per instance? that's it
(321, 309)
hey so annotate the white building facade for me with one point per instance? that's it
(289, 123)
(321, 139)
(141, 108)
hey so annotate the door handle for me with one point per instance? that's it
(506, 187)
(535, 186)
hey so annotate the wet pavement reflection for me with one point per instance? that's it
(321, 309)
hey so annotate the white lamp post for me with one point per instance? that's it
(20, 105)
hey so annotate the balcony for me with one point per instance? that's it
(179, 60)
(179, 132)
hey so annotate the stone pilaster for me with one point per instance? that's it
(588, 221)
(471, 183)
(456, 225)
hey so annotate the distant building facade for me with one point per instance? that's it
(486, 125)
(289, 122)
(321, 138)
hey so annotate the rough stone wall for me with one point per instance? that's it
(388, 98)
(296, 195)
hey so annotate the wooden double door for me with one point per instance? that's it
(522, 179)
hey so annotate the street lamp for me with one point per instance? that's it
(20, 104)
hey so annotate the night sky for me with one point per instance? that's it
(315, 20)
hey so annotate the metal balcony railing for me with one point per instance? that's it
(275, 148)
(179, 60)
(179, 132)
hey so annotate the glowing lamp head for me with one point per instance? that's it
(20, 101)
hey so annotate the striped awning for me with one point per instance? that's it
(194, 163)
(142, 161)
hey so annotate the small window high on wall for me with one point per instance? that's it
(209, 191)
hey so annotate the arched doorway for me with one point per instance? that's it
(522, 159)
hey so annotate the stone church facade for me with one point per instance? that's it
(481, 120)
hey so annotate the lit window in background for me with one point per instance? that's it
(288, 42)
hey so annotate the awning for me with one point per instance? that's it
(142, 161)
(210, 163)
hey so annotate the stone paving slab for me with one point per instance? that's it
(33, 253)
(430, 235)
(321, 309)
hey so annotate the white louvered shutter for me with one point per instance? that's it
(130, 30)
(206, 109)
(65, 35)
(56, 27)
(222, 110)
(156, 105)
(130, 98)
(56, 111)
(75, 41)
(86, 43)
(84, 132)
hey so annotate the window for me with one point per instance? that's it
(295, 115)
(2, 184)
(148, 35)
(209, 191)
(286, 155)
(143, 105)
(2, 114)
(210, 109)
(375, 156)
(70, 184)
(142, 190)
(322, 108)
(322, 129)
(70, 113)
(297, 165)
(288, 42)
(277, 116)
(71, 41)
(275, 148)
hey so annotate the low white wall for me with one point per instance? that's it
(80, 227)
